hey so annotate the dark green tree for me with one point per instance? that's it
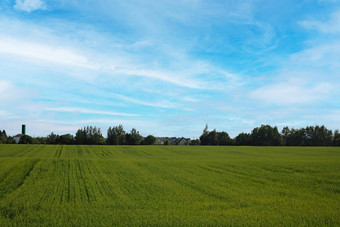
(89, 135)
(81, 137)
(336, 139)
(243, 139)
(204, 137)
(195, 142)
(40, 140)
(26, 139)
(224, 138)
(3, 136)
(52, 138)
(133, 138)
(213, 138)
(266, 136)
(67, 139)
(116, 135)
(149, 140)
(318, 136)
(11, 140)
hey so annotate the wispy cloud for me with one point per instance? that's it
(323, 55)
(43, 52)
(164, 104)
(329, 26)
(29, 5)
(10, 93)
(292, 92)
(89, 111)
(5, 87)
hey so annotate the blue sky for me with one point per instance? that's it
(168, 68)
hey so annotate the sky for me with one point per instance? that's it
(168, 68)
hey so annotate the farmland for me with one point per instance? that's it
(169, 185)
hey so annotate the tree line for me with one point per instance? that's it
(265, 135)
(4, 138)
(89, 135)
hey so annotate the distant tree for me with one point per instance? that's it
(52, 138)
(166, 142)
(243, 139)
(336, 140)
(94, 135)
(309, 136)
(40, 140)
(67, 139)
(293, 137)
(89, 135)
(116, 136)
(204, 137)
(195, 142)
(149, 140)
(318, 136)
(285, 135)
(213, 138)
(266, 136)
(224, 138)
(25, 139)
(81, 137)
(3, 136)
(133, 138)
(11, 140)
(296, 137)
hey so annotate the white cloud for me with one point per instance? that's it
(183, 81)
(30, 5)
(5, 87)
(4, 113)
(89, 111)
(164, 104)
(44, 48)
(331, 26)
(292, 92)
(326, 55)
(330, 1)
(44, 52)
(9, 92)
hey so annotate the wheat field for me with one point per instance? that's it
(169, 186)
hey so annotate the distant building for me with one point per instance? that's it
(17, 137)
(182, 141)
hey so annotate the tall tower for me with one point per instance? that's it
(23, 129)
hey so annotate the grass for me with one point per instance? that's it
(169, 185)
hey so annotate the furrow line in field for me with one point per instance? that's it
(58, 151)
(68, 181)
(103, 153)
(179, 179)
(102, 183)
(246, 175)
(17, 178)
(24, 152)
(6, 172)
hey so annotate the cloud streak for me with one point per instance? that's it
(89, 111)
(292, 92)
(43, 52)
(164, 104)
(29, 5)
(330, 26)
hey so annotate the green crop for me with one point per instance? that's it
(169, 186)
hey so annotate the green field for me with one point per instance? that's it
(169, 185)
